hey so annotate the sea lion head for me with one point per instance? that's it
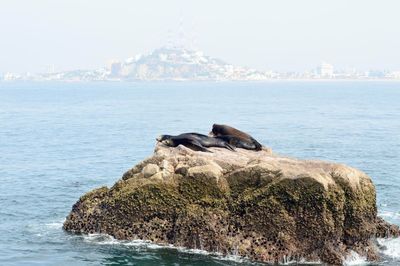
(167, 142)
(165, 139)
(216, 130)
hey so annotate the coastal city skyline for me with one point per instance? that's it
(178, 62)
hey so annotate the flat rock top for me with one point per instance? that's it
(291, 168)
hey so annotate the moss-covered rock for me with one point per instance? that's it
(253, 204)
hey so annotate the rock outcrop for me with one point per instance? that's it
(254, 204)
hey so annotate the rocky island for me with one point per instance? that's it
(258, 205)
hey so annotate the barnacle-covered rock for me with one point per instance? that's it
(258, 205)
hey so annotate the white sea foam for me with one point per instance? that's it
(355, 259)
(44, 229)
(104, 239)
(390, 247)
(390, 215)
(290, 261)
(55, 225)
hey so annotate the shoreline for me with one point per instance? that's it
(201, 81)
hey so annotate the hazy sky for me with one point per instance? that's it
(280, 35)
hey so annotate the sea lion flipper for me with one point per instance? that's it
(230, 147)
(198, 145)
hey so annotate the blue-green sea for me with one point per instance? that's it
(60, 140)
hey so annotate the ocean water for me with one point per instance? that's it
(60, 140)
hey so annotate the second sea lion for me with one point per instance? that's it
(243, 139)
(238, 142)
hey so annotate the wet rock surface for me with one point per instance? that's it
(257, 205)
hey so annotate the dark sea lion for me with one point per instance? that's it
(194, 141)
(243, 140)
(238, 142)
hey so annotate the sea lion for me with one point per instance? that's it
(194, 141)
(238, 142)
(242, 140)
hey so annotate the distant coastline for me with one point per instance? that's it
(201, 81)
(181, 64)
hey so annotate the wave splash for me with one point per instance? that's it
(387, 247)
(104, 239)
(355, 259)
(390, 247)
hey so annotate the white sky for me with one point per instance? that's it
(281, 35)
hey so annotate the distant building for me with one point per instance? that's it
(377, 74)
(325, 70)
(115, 68)
(394, 75)
(11, 76)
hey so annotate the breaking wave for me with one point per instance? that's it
(104, 239)
(387, 247)
(390, 247)
(391, 216)
(355, 259)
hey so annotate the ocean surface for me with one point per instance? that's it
(60, 140)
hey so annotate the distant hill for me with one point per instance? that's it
(161, 64)
(180, 64)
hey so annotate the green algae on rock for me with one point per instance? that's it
(257, 205)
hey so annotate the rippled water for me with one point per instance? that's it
(59, 140)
